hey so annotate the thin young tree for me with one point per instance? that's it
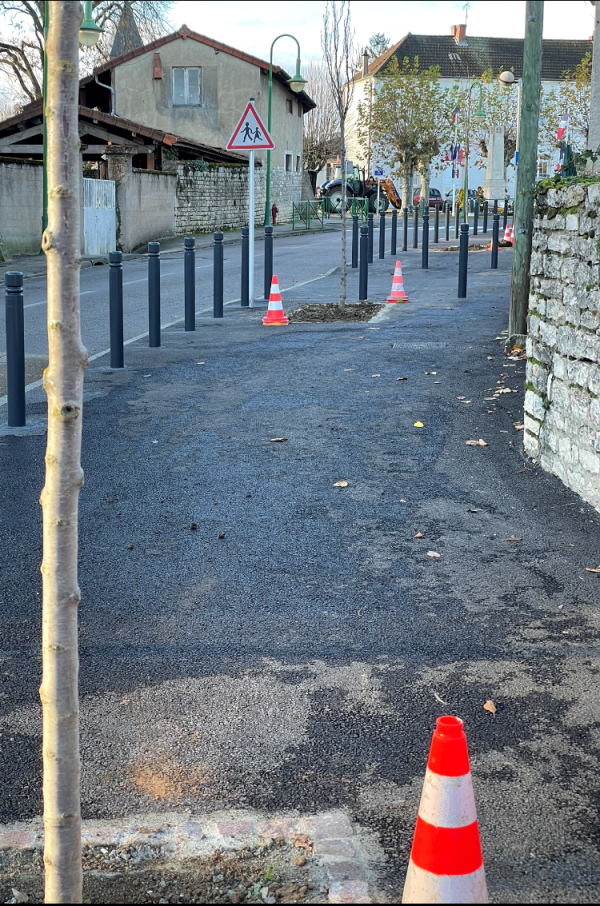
(339, 55)
(63, 383)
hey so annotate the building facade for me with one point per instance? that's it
(462, 59)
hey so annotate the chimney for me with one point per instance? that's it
(365, 63)
(459, 32)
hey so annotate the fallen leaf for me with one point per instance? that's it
(437, 382)
(402, 501)
(505, 390)
(200, 363)
(461, 397)
(301, 841)
(401, 378)
(418, 425)
(193, 525)
(340, 484)
(522, 470)
(473, 510)
(518, 426)
(373, 328)
(431, 372)
(419, 535)
(589, 569)
(434, 554)
(440, 700)
(360, 338)
(489, 399)
(475, 443)
(465, 402)
(512, 538)
(375, 375)
(348, 369)
(277, 440)
(490, 706)
(221, 535)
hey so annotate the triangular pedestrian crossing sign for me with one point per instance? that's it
(250, 133)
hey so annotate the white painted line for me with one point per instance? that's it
(98, 355)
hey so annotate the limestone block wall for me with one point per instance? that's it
(562, 400)
(216, 198)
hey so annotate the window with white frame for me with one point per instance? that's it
(543, 168)
(288, 161)
(186, 86)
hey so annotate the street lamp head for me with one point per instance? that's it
(507, 78)
(297, 83)
(89, 32)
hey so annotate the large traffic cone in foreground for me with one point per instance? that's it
(507, 233)
(446, 864)
(512, 234)
(275, 313)
(397, 294)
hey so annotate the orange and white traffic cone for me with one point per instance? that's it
(446, 864)
(397, 294)
(507, 233)
(512, 234)
(275, 313)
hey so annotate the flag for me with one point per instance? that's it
(460, 156)
(562, 127)
(449, 154)
(455, 113)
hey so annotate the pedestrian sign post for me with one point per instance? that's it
(250, 135)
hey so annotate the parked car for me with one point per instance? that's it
(435, 198)
(448, 198)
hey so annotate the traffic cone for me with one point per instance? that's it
(507, 233)
(275, 313)
(446, 864)
(397, 294)
(512, 234)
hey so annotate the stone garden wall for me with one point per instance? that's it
(211, 197)
(562, 400)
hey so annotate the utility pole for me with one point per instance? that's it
(528, 140)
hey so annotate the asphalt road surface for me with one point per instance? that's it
(300, 661)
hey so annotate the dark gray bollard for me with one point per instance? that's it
(485, 216)
(354, 241)
(463, 260)
(495, 210)
(416, 228)
(15, 348)
(154, 294)
(394, 242)
(495, 237)
(363, 274)
(505, 221)
(476, 217)
(218, 275)
(370, 234)
(405, 230)
(245, 267)
(189, 281)
(436, 225)
(268, 261)
(382, 235)
(425, 243)
(456, 220)
(115, 305)
(447, 224)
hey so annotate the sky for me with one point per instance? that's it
(252, 25)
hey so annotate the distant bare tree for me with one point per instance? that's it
(22, 37)
(378, 44)
(341, 62)
(321, 131)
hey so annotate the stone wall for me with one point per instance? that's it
(562, 400)
(214, 197)
(146, 202)
(21, 206)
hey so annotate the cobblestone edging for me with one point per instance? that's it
(337, 847)
(562, 400)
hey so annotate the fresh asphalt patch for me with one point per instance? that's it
(293, 652)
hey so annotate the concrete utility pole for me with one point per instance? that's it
(528, 134)
(594, 136)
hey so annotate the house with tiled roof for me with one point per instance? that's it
(461, 58)
(155, 121)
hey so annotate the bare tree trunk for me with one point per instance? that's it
(407, 190)
(425, 173)
(344, 263)
(63, 383)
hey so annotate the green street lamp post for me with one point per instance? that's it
(478, 117)
(296, 83)
(89, 33)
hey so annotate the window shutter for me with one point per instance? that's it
(194, 86)
(179, 86)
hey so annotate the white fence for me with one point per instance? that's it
(99, 216)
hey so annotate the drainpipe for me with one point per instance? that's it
(113, 103)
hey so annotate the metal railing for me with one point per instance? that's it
(313, 214)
